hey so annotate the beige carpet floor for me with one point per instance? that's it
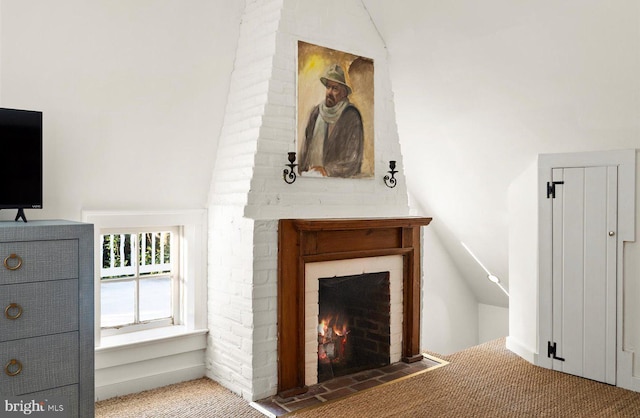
(486, 381)
(483, 381)
(193, 399)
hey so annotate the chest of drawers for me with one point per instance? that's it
(47, 313)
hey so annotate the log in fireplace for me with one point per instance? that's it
(302, 241)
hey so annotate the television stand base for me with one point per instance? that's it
(21, 215)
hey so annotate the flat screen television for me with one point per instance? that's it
(20, 160)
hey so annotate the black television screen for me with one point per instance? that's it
(21, 161)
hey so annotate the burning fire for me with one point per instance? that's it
(332, 338)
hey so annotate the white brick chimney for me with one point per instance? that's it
(248, 194)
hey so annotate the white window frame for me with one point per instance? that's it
(177, 293)
(193, 255)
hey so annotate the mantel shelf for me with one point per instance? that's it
(337, 224)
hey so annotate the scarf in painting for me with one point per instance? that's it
(332, 114)
(327, 115)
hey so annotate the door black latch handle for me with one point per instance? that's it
(551, 351)
(551, 188)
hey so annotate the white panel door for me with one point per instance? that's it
(584, 217)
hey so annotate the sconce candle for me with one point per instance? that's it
(390, 179)
(289, 174)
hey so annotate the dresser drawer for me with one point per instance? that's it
(34, 261)
(33, 309)
(39, 363)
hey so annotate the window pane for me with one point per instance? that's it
(155, 250)
(144, 260)
(116, 256)
(117, 303)
(155, 298)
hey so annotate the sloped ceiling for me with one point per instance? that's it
(481, 88)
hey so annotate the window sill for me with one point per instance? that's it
(149, 336)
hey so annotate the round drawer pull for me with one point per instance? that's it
(13, 311)
(13, 368)
(15, 267)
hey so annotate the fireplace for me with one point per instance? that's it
(387, 309)
(306, 243)
(354, 324)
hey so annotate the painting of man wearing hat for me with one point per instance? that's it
(333, 142)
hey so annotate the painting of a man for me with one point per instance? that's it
(333, 141)
(334, 136)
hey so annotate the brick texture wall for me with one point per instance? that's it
(248, 194)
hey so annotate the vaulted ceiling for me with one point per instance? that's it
(482, 88)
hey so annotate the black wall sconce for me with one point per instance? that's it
(390, 179)
(289, 175)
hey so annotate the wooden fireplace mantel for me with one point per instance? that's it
(302, 241)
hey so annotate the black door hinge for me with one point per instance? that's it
(551, 351)
(551, 188)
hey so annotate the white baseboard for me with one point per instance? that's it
(624, 377)
(149, 382)
(518, 348)
(143, 365)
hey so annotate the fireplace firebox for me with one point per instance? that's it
(302, 241)
(353, 324)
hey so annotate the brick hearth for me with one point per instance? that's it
(341, 387)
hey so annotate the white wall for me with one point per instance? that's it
(449, 315)
(489, 86)
(493, 322)
(133, 95)
(523, 262)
